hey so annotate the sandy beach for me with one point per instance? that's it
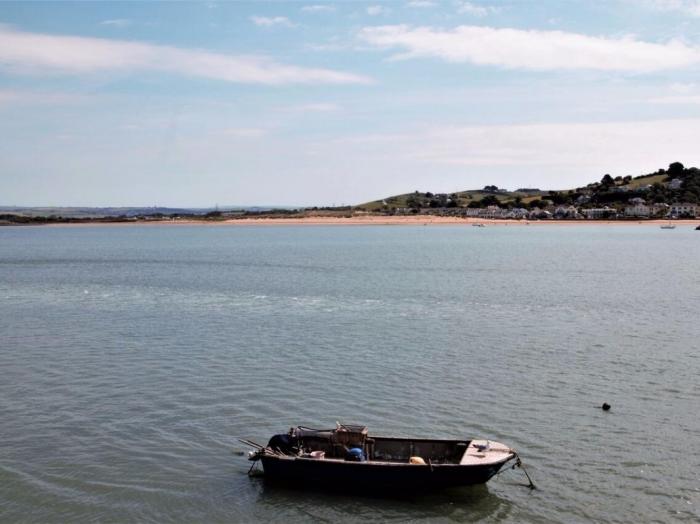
(429, 220)
(417, 220)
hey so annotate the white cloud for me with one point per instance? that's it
(265, 21)
(421, 4)
(533, 50)
(117, 22)
(473, 9)
(376, 10)
(318, 8)
(22, 52)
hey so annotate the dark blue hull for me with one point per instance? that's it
(362, 475)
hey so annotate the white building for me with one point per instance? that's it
(492, 212)
(600, 212)
(566, 212)
(685, 209)
(638, 210)
(659, 209)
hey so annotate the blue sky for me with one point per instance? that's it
(306, 103)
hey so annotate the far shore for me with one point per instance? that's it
(372, 220)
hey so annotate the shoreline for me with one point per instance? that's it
(416, 220)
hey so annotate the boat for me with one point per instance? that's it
(348, 457)
(697, 228)
(669, 225)
(478, 224)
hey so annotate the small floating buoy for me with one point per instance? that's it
(606, 406)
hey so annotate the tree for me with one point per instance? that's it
(489, 200)
(414, 202)
(607, 180)
(675, 170)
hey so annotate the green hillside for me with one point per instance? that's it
(652, 187)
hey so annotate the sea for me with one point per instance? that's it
(133, 357)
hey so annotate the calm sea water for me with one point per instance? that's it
(131, 358)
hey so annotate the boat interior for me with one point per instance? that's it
(340, 442)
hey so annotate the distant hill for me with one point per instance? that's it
(102, 212)
(675, 184)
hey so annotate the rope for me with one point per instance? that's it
(518, 464)
(250, 471)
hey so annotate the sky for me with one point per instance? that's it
(311, 103)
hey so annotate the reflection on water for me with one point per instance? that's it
(465, 504)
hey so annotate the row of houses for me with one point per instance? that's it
(641, 209)
(637, 209)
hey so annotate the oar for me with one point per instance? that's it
(251, 443)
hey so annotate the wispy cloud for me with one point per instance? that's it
(421, 4)
(14, 97)
(318, 107)
(8, 96)
(265, 21)
(35, 53)
(318, 8)
(615, 146)
(678, 93)
(470, 8)
(117, 22)
(376, 10)
(677, 99)
(687, 7)
(245, 132)
(533, 50)
(611, 143)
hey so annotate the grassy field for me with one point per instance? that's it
(464, 198)
(646, 180)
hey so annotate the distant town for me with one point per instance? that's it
(666, 193)
(672, 193)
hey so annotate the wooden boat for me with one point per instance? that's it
(348, 456)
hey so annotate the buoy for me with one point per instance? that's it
(606, 406)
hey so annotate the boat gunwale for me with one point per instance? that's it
(508, 454)
(506, 458)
